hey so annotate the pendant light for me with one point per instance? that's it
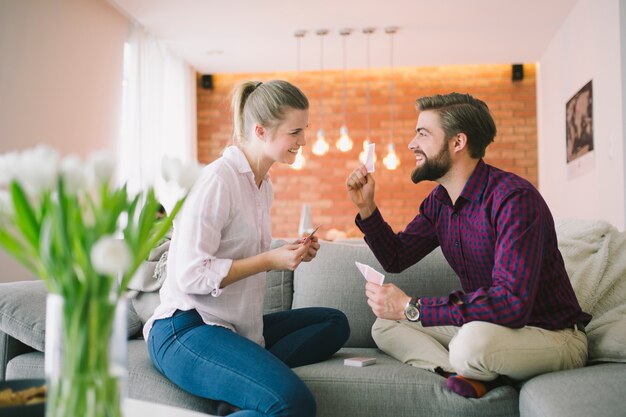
(391, 161)
(344, 144)
(300, 160)
(320, 147)
(368, 140)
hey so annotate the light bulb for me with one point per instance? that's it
(366, 142)
(320, 147)
(299, 162)
(344, 144)
(391, 161)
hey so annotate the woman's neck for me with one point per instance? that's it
(258, 163)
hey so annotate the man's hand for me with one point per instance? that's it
(386, 301)
(360, 185)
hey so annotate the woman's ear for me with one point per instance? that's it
(260, 131)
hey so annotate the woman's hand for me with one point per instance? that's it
(313, 246)
(290, 255)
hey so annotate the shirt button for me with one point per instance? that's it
(456, 243)
(455, 215)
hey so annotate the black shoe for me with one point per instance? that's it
(224, 408)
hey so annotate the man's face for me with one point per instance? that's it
(433, 159)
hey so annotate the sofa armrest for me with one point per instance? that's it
(9, 349)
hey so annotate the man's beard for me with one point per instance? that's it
(433, 168)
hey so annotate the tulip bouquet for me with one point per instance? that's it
(85, 238)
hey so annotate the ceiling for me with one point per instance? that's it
(225, 36)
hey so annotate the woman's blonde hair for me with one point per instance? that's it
(263, 103)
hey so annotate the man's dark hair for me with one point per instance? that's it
(462, 113)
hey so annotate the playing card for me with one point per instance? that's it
(370, 152)
(306, 239)
(370, 273)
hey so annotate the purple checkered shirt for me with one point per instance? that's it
(499, 238)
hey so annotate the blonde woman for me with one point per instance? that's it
(209, 335)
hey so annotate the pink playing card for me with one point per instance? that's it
(369, 157)
(370, 273)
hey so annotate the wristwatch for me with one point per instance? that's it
(412, 309)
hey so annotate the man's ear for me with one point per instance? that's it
(459, 142)
(260, 131)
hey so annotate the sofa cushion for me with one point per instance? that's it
(597, 391)
(278, 287)
(593, 254)
(333, 280)
(278, 291)
(144, 381)
(23, 313)
(147, 384)
(391, 388)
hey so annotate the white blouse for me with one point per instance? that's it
(225, 217)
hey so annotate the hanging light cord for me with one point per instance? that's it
(321, 33)
(299, 38)
(391, 87)
(367, 89)
(345, 79)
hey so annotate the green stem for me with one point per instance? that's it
(87, 384)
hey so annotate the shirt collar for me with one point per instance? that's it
(473, 187)
(476, 182)
(235, 155)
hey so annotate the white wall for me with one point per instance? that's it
(587, 47)
(60, 79)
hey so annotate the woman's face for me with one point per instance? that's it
(283, 142)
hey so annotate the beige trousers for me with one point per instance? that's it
(481, 350)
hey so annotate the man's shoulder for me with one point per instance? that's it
(505, 182)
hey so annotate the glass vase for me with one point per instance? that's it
(85, 358)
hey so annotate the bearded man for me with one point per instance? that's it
(517, 315)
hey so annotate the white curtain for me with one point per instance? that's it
(158, 114)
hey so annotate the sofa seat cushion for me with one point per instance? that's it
(144, 381)
(23, 313)
(26, 366)
(333, 280)
(374, 390)
(597, 391)
(147, 384)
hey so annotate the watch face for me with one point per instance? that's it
(412, 313)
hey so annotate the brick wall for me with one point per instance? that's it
(321, 182)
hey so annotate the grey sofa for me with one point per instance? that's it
(388, 388)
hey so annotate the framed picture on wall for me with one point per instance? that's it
(579, 132)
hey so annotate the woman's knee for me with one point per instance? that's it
(342, 326)
(295, 400)
(338, 324)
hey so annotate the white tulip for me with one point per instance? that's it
(188, 175)
(9, 162)
(73, 173)
(184, 175)
(110, 256)
(6, 205)
(102, 166)
(171, 168)
(38, 169)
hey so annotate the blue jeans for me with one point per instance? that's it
(216, 363)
